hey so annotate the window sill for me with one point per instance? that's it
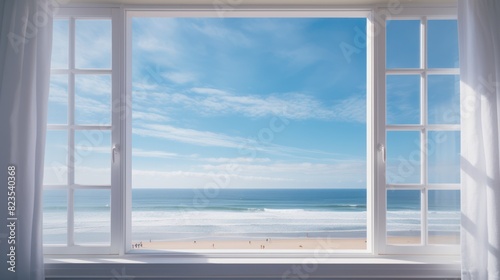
(150, 266)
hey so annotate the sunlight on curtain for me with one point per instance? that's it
(479, 40)
(25, 45)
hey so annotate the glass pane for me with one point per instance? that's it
(56, 158)
(55, 203)
(403, 44)
(93, 157)
(60, 44)
(444, 157)
(444, 217)
(58, 100)
(403, 217)
(93, 99)
(444, 99)
(93, 217)
(403, 157)
(93, 44)
(442, 44)
(403, 99)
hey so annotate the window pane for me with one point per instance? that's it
(403, 157)
(403, 217)
(444, 99)
(92, 217)
(58, 100)
(403, 99)
(93, 44)
(444, 157)
(442, 44)
(93, 99)
(403, 44)
(55, 203)
(56, 158)
(93, 157)
(60, 44)
(444, 217)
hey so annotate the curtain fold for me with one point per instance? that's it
(25, 51)
(479, 41)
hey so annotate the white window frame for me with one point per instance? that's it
(386, 259)
(359, 13)
(423, 71)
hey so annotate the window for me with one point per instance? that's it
(104, 98)
(422, 134)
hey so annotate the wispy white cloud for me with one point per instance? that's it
(206, 175)
(93, 43)
(401, 95)
(302, 56)
(85, 105)
(93, 85)
(191, 179)
(58, 89)
(156, 45)
(180, 77)
(212, 139)
(297, 106)
(85, 175)
(339, 166)
(152, 154)
(191, 136)
(87, 147)
(209, 91)
(60, 44)
(248, 174)
(149, 116)
(236, 160)
(216, 31)
(287, 40)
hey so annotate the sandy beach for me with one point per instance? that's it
(259, 244)
(288, 244)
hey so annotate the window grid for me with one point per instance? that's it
(71, 127)
(424, 128)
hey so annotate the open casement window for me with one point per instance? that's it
(410, 121)
(82, 201)
(419, 135)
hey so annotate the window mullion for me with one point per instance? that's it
(380, 237)
(424, 121)
(71, 134)
(117, 216)
(126, 103)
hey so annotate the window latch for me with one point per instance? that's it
(381, 148)
(115, 150)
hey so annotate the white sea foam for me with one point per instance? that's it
(277, 223)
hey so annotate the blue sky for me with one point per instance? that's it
(206, 88)
(247, 103)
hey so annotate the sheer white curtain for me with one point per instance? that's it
(479, 36)
(25, 45)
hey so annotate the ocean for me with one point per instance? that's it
(197, 214)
